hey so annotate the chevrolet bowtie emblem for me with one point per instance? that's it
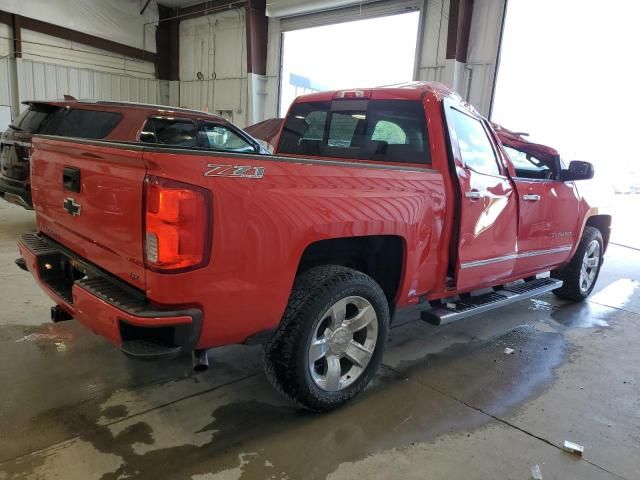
(71, 206)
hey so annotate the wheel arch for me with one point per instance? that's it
(603, 223)
(382, 257)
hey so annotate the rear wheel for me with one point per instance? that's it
(580, 275)
(331, 338)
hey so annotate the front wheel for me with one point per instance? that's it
(580, 275)
(331, 338)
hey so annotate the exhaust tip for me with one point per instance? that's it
(200, 360)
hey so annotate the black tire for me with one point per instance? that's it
(287, 361)
(570, 274)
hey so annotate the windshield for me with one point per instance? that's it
(383, 130)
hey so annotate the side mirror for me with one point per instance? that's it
(577, 171)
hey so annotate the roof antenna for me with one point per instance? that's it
(70, 98)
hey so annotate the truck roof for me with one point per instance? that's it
(400, 91)
(147, 107)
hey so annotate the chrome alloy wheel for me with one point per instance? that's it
(590, 265)
(343, 343)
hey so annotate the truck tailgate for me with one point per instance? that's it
(89, 198)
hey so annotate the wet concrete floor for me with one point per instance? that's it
(447, 403)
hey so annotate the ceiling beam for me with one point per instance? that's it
(207, 8)
(460, 12)
(16, 25)
(78, 37)
(257, 27)
(168, 44)
(6, 18)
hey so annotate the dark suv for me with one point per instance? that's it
(116, 121)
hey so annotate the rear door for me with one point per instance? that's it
(88, 196)
(488, 211)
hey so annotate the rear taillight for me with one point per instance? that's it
(177, 225)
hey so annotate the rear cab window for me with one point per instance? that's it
(381, 130)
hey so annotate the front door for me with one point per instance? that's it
(488, 211)
(549, 212)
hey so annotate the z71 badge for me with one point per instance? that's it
(235, 171)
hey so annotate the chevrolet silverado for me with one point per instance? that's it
(374, 201)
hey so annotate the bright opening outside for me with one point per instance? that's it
(365, 53)
(548, 83)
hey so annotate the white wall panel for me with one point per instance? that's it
(351, 13)
(47, 49)
(286, 8)
(484, 41)
(5, 35)
(473, 79)
(5, 93)
(41, 81)
(117, 20)
(215, 46)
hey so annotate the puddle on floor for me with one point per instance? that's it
(583, 315)
(541, 306)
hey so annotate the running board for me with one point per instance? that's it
(467, 306)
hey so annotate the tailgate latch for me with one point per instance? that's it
(72, 207)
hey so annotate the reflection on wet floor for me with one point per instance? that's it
(616, 294)
(540, 305)
(448, 401)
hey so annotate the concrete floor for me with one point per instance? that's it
(448, 403)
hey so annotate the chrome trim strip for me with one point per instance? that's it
(488, 261)
(213, 153)
(532, 253)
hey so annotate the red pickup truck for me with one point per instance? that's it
(374, 201)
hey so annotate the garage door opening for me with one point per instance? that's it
(554, 86)
(358, 54)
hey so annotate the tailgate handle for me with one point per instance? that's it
(71, 179)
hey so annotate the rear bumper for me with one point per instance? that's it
(15, 192)
(108, 306)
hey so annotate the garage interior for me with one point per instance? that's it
(447, 402)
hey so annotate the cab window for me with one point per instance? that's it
(476, 149)
(390, 132)
(528, 166)
(170, 131)
(378, 130)
(220, 137)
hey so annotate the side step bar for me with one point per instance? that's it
(467, 306)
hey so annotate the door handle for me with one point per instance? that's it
(71, 179)
(473, 195)
(531, 198)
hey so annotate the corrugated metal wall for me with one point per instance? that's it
(5, 97)
(44, 81)
(215, 47)
(5, 34)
